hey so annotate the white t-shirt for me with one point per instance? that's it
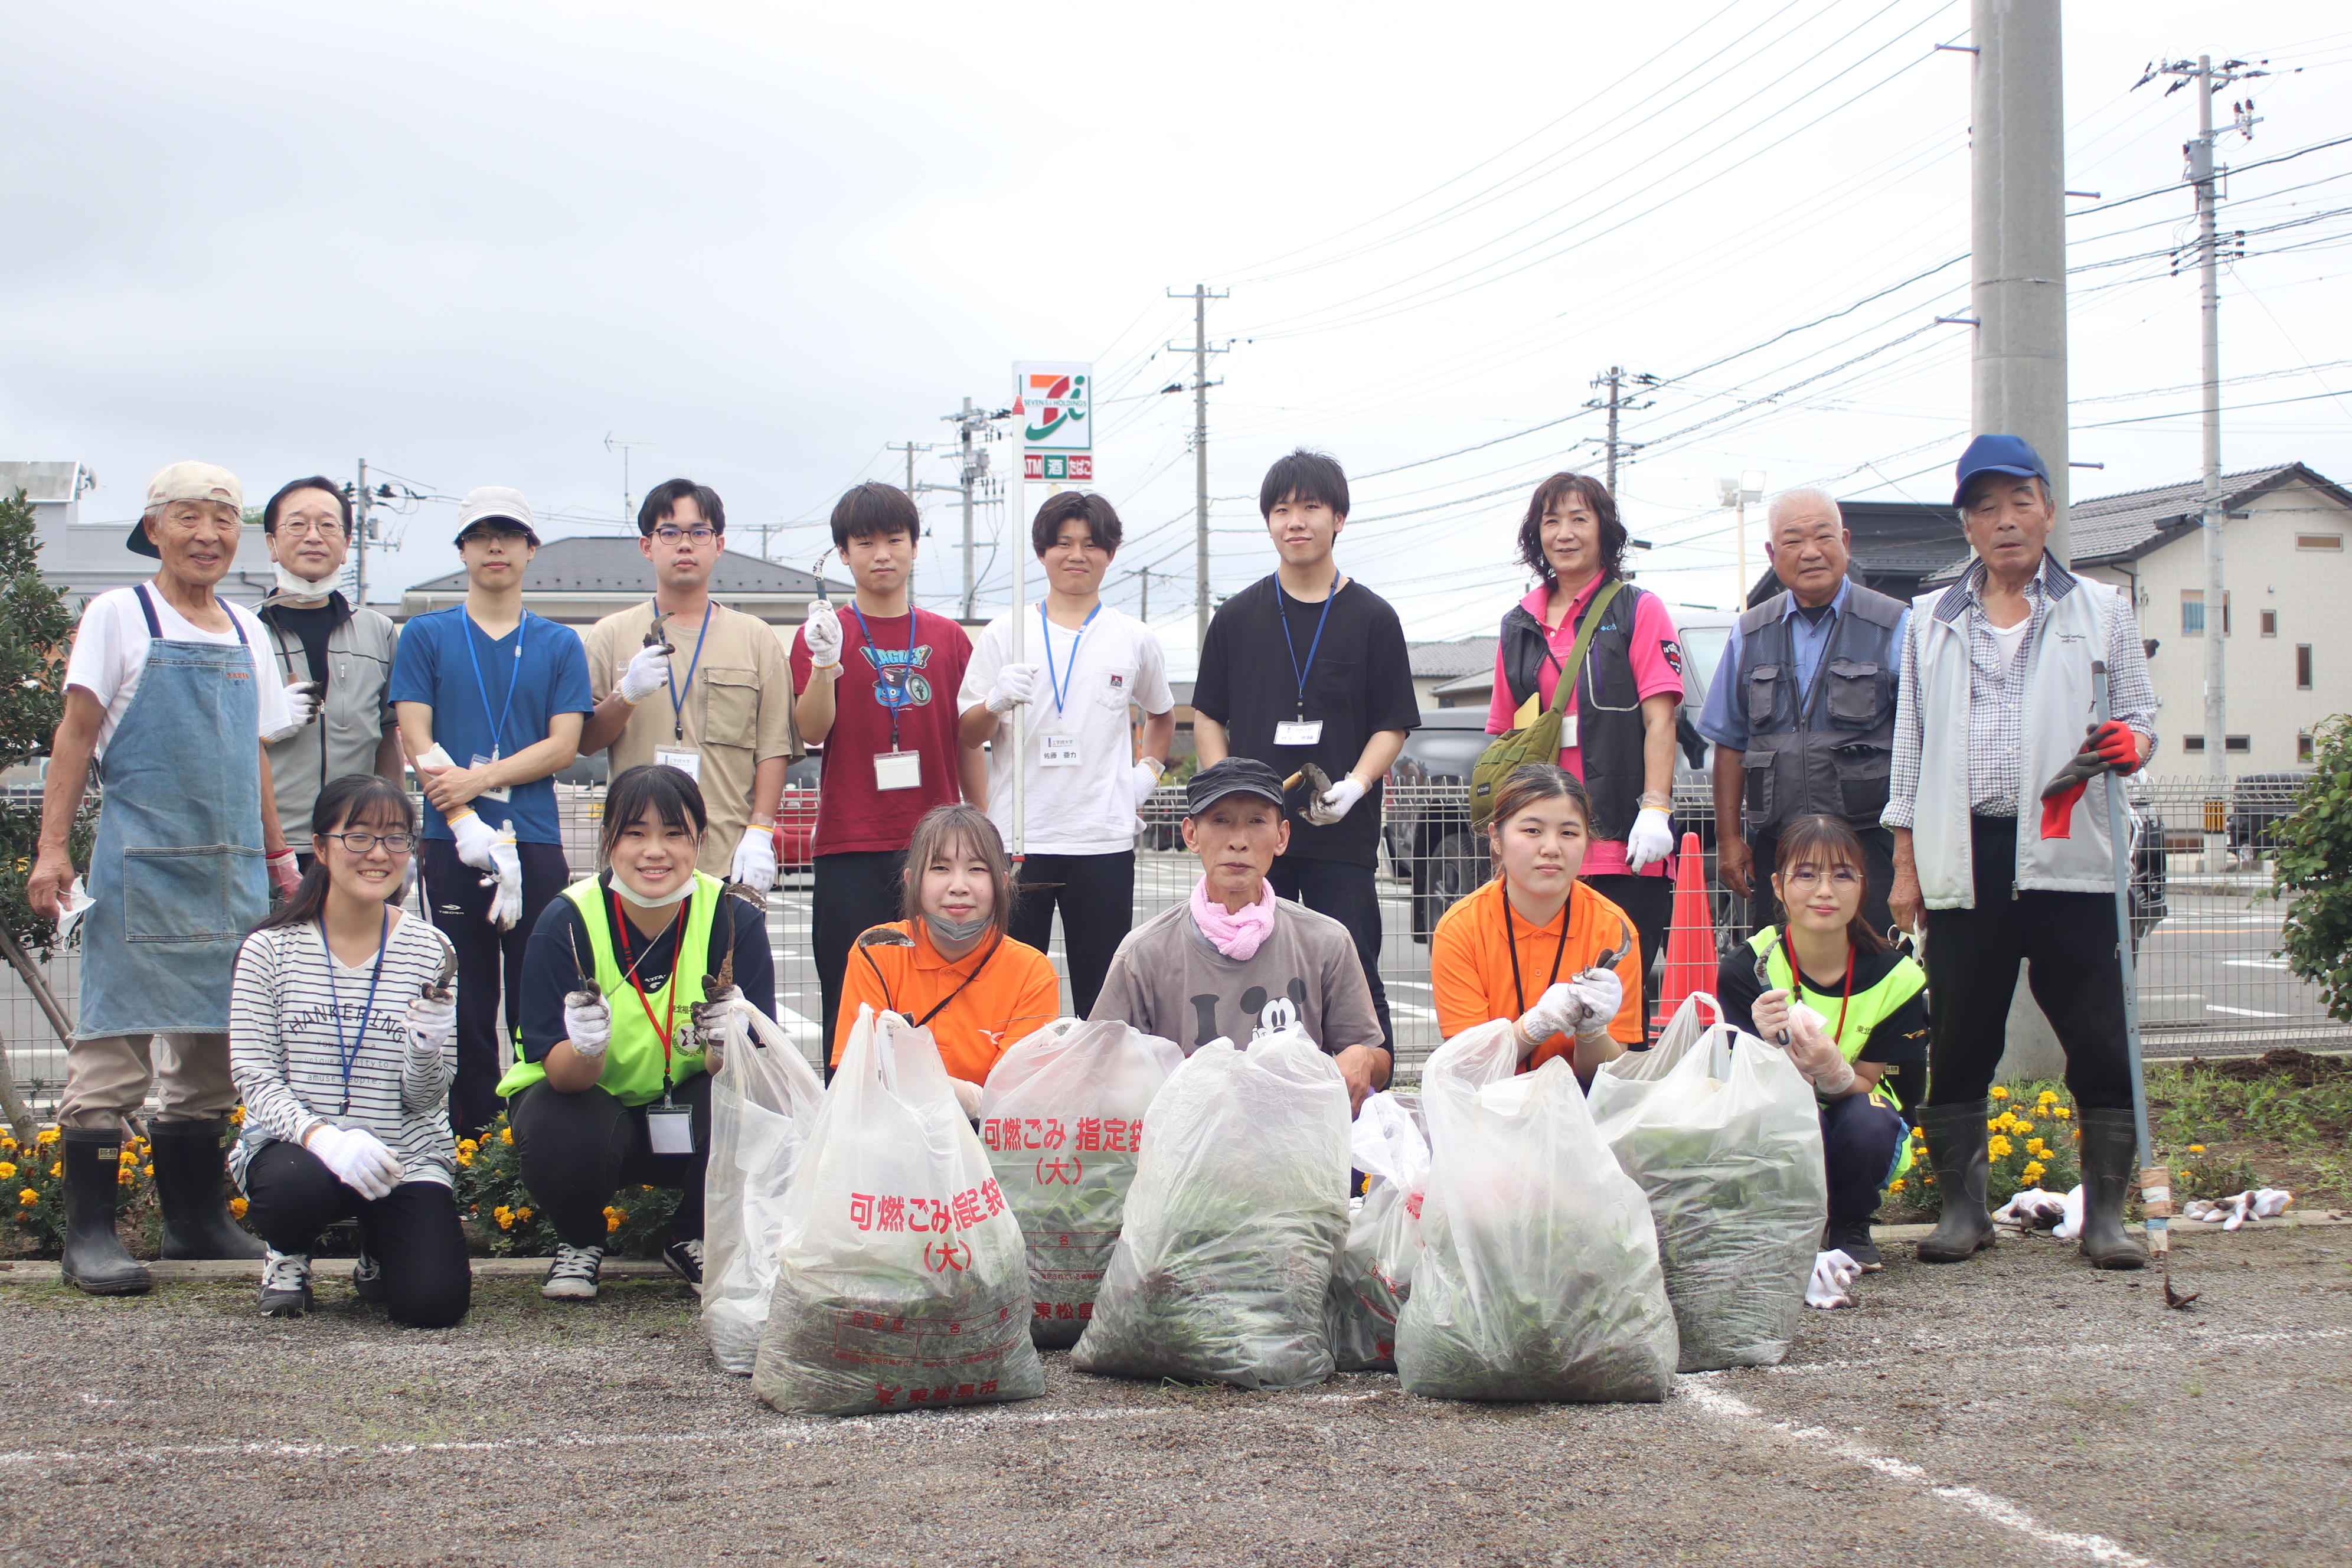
(110, 653)
(1089, 809)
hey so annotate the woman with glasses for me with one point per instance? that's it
(1853, 1011)
(342, 1039)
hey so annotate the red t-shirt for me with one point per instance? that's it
(851, 814)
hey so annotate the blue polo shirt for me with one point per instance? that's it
(1724, 717)
(530, 675)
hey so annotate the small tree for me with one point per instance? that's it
(35, 629)
(2314, 870)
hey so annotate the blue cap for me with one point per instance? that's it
(1998, 455)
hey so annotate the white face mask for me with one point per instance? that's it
(630, 895)
(300, 588)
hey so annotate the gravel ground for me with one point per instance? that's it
(2019, 1410)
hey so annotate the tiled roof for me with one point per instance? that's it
(614, 566)
(1464, 656)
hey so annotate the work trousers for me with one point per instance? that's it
(1096, 894)
(412, 1232)
(1858, 1138)
(1877, 863)
(1348, 894)
(461, 908)
(2067, 943)
(1649, 903)
(576, 1151)
(853, 892)
(107, 1079)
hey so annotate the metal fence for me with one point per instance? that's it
(2211, 981)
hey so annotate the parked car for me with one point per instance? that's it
(2258, 804)
(796, 814)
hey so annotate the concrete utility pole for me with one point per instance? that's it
(1616, 380)
(1201, 296)
(969, 474)
(363, 525)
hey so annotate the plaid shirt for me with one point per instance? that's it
(1997, 698)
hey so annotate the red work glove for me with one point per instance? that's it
(2114, 743)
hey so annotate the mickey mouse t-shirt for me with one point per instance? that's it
(1166, 980)
(897, 690)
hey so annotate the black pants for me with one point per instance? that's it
(412, 1232)
(461, 908)
(1096, 894)
(1858, 1142)
(576, 1151)
(852, 893)
(1649, 903)
(1877, 863)
(2067, 941)
(1348, 895)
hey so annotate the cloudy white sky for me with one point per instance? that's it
(468, 243)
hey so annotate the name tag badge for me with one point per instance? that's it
(898, 769)
(1566, 732)
(1057, 751)
(670, 1130)
(687, 762)
(1299, 733)
(499, 795)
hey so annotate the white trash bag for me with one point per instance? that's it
(1374, 1275)
(1539, 1276)
(1062, 1115)
(1239, 1208)
(764, 1100)
(1725, 1136)
(900, 1282)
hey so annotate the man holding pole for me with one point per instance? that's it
(1997, 700)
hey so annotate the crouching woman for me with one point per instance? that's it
(342, 1045)
(613, 1086)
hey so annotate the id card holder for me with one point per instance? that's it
(669, 1129)
(1057, 751)
(1568, 731)
(1299, 733)
(898, 769)
(502, 792)
(685, 762)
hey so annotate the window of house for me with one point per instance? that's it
(2193, 744)
(2237, 742)
(2302, 667)
(2303, 747)
(2192, 612)
(2319, 541)
(2270, 622)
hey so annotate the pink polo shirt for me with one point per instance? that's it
(1657, 658)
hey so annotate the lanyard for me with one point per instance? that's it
(349, 1055)
(1283, 615)
(498, 728)
(1511, 940)
(1797, 982)
(663, 1024)
(677, 692)
(924, 1022)
(893, 676)
(1062, 685)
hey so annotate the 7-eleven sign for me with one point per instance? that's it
(1055, 404)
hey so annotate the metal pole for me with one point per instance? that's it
(1616, 374)
(360, 528)
(2217, 602)
(1739, 530)
(1201, 464)
(963, 428)
(1020, 656)
(2156, 1185)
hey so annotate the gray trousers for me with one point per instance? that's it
(107, 1080)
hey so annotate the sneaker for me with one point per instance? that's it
(284, 1284)
(367, 1279)
(573, 1276)
(685, 1260)
(1852, 1236)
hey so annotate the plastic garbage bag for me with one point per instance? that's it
(1725, 1136)
(1239, 1207)
(900, 1282)
(764, 1100)
(1062, 1115)
(1373, 1278)
(1539, 1276)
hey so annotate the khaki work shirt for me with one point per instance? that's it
(737, 713)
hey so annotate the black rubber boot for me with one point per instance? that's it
(1957, 1137)
(1850, 1233)
(95, 1261)
(196, 1222)
(2110, 1150)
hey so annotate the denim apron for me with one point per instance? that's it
(178, 869)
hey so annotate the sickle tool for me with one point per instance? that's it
(439, 990)
(585, 993)
(1764, 978)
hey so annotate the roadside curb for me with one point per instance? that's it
(2290, 1220)
(44, 1271)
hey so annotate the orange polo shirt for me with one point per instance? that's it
(1012, 992)
(1470, 963)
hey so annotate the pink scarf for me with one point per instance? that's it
(1236, 936)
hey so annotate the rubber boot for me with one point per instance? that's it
(1957, 1137)
(196, 1222)
(2110, 1150)
(95, 1261)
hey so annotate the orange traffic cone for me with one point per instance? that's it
(1690, 942)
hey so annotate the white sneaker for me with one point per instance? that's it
(573, 1276)
(284, 1284)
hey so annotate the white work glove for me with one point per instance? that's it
(476, 839)
(822, 632)
(1812, 1050)
(506, 870)
(358, 1158)
(431, 1027)
(1146, 779)
(755, 858)
(2231, 1212)
(2070, 1225)
(284, 874)
(587, 1022)
(302, 700)
(647, 672)
(2031, 1209)
(1014, 685)
(717, 1020)
(1337, 800)
(1833, 1282)
(1581, 1007)
(967, 1097)
(1653, 839)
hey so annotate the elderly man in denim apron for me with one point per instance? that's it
(164, 691)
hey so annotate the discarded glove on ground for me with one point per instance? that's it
(2230, 1213)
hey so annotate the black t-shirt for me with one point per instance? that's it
(1360, 683)
(548, 972)
(1901, 1037)
(313, 624)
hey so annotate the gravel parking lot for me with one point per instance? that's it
(2020, 1410)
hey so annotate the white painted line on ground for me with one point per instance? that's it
(2186, 1349)
(2279, 963)
(1985, 1505)
(2241, 1012)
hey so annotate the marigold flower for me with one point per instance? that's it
(237, 1207)
(46, 1135)
(128, 1178)
(27, 1197)
(127, 1157)
(57, 1171)
(2037, 1148)
(7, 1172)
(1998, 1093)
(464, 1155)
(1998, 1147)
(2022, 1128)
(522, 1215)
(236, 1117)
(2033, 1170)
(468, 1146)
(7, 1144)
(1895, 1186)
(2060, 1113)
(506, 1135)
(2197, 1148)
(151, 1171)
(615, 1218)
(504, 1215)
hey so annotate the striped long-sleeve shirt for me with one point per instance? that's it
(287, 1056)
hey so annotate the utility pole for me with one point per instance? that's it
(1146, 573)
(972, 471)
(1201, 296)
(363, 527)
(628, 501)
(1616, 380)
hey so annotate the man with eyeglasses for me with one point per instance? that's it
(709, 696)
(334, 659)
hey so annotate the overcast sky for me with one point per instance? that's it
(470, 242)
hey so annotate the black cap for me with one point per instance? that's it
(1234, 775)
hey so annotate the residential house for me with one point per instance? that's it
(578, 582)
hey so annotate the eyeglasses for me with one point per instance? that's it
(698, 535)
(1805, 879)
(361, 843)
(299, 526)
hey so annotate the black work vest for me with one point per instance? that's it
(1610, 734)
(1827, 750)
